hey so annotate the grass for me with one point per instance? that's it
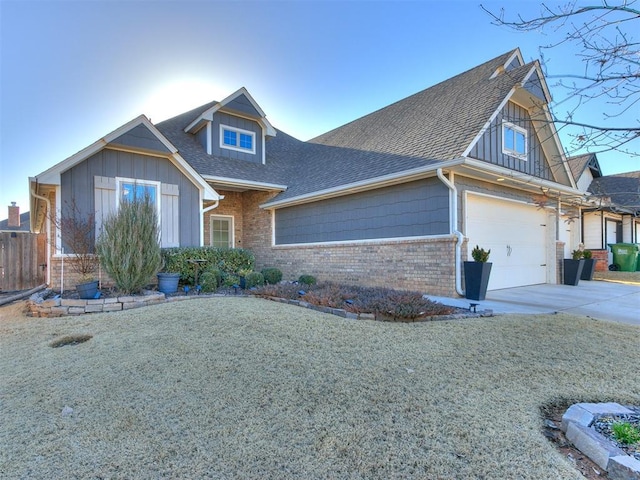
(248, 388)
(619, 277)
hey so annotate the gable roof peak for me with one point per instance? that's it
(207, 115)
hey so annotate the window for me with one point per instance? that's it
(237, 139)
(514, 140)
(221, 231)
(131, 191)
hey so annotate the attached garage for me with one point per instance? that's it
(515, 232)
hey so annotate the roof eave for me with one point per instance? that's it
(368, 184)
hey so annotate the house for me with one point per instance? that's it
(613, 214)
(396, 198)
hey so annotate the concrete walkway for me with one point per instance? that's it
(616, 302)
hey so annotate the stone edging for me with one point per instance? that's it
(60, 307)
(577, 424)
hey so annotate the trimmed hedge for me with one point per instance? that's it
(254, 279)
(272, 275)
(229, 261)
(307, 280)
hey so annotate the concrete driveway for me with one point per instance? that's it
(616, 302)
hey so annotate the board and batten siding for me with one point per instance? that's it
(489, 147)
(91, 185)
(414, 209)
(221, 118)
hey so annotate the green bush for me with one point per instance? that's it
(271, 275)
(254, 279)
(210, 280)
(307, 279)
(228, 260)
(229, 280)
(128, 246)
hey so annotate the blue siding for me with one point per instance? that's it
(77, 184)
(241, 104)
(237, 122)
(489, 147)
(141, 137)
(413, 209)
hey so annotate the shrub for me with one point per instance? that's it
(129, 247)
(391, 304)
(576, 254)
(480, 254)
(254, 279)
(307, 279)
(588, 254)
(229, 261)
(229, 280)
(210, 280)
(272, 275)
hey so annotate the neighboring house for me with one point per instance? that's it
(396, 198)
(613, 215)
(22, 254)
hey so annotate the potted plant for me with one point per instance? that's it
(476, 274)
(589, 265)
(573, 268)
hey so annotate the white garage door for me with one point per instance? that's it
(516, 234)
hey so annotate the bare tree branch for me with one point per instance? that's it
(601, 35)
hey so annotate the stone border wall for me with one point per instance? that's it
(60, 307)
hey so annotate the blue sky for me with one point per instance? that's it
(73, 71)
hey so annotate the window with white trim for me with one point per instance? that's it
(514, 140)
(129, 189)
(234, 138)
(221, 231)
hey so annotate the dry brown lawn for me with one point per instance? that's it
(248, 388)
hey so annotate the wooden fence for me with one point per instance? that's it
(22, 261)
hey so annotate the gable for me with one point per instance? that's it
(140, 137)
(490, 146)
(242, 104)
(535, 86)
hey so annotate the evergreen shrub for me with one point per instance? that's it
(271, 275)
(128, 246)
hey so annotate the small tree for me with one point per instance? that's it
(77, 230)
(129, 247)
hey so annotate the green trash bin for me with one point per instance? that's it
(625, 256)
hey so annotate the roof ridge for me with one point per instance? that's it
(499, 60)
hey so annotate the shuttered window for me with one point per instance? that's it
(107, 201)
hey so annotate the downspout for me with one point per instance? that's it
(202, 212)
(48, 203)
(453, 226)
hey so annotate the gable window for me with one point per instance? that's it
(237, 139)
(221, 231)
(514, 140)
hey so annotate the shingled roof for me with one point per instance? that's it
(623, 189)
(439, 122)
(24, 224)
(434, 125)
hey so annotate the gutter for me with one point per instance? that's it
(48, 202)
(359, 186)
(453, 226)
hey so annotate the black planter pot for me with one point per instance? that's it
(572, 271)
(168, 282)
(87, 290)
(588, 269)
(476, 279)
